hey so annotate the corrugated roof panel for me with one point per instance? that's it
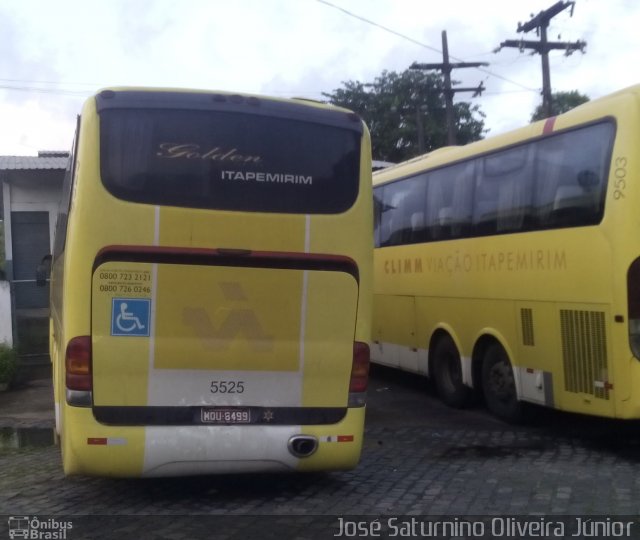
(13, 163)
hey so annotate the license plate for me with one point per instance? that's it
(225, 416)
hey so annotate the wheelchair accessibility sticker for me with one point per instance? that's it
(130, 317)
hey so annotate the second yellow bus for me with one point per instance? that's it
(511, 266)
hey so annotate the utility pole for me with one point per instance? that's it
(446, 67)
(540, 23)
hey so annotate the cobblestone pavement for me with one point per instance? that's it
(420, 458)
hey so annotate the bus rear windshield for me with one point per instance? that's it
(228, 161)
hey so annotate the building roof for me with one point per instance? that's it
(44, 160)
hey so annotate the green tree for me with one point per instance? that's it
(405, 113)
(561, 102)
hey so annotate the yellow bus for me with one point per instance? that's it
(509, 268)
(211, 285)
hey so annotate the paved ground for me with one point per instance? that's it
(420, 459)
(30, 405)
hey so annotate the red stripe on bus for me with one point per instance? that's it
(345, 438)
(548, 125)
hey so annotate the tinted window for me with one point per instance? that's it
(556, 181)
(504, 191)
(228, 161)
(450, 200)
(571, 177)
(378, 205)
(401, 210)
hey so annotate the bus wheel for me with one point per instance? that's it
(447, 374)
(499, 385)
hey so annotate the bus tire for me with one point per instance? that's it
(499, 385)
(447, 374)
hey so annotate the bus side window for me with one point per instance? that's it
(391, 219)
(570, 181)
(435, 202)
(573, 197)
(418, 229)
(463, 179)
(395, 220)
(377, 214)
(414, 206)
(402, 200)
(449, 196)
(386, 210)
(573, 205)
(549, 185)
(485, 208)
(510, 174)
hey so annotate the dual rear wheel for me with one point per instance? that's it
(447, 373)
(496, 379)
(499, 385)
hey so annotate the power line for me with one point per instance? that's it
(47, 82)
(486, 93)
(284, 93)
(35, 89)
(386, 29)
(416, 42)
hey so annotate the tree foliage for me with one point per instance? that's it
(561, 102)
(395, 105)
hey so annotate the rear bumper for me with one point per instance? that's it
(90, 448)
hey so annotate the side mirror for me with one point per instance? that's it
(43, 271)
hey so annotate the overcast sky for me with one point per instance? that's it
(56, 53)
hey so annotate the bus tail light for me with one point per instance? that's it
(78, 377)
(359, 375)
(633, 302)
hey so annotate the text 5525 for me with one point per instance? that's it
(227, 387)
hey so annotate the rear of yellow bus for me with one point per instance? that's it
(214, 287)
